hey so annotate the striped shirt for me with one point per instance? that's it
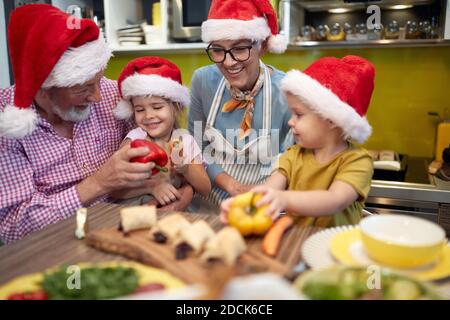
(39, 173)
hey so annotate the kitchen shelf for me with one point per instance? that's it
(119, 12)
(173, 47)
(304, 45)
(324, 5)
(370, 44)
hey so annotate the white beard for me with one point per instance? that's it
(73, 115)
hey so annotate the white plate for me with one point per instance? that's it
(315, 249)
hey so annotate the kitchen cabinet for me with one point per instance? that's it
(323, 14)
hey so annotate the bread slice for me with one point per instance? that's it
(226, 246)
(137, 217)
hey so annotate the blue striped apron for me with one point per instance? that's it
(258, 148)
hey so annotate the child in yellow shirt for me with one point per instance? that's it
(324, 177)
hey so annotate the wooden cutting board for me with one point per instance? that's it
(139, 246)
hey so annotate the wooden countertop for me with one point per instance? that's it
(57, 245)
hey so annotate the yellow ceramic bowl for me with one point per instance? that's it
(402, 241)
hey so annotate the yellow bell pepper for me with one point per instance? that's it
(246, 217)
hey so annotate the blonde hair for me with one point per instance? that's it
(180, 112)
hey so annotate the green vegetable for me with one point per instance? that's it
(317, 290)
(95, 283)
(343, 283)
(403, 290)
(353, 283)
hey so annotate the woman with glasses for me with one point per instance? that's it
(236, 104)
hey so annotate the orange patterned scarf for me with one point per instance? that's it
(244, 100)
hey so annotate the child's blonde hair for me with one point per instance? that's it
(180, 112)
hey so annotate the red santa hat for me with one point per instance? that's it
(338, 90)
(153, 76)
(48, 48)
(243, 19)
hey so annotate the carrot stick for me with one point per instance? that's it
(272, 239)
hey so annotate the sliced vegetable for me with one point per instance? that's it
(272, 239)
(345, 283)
(403, 289)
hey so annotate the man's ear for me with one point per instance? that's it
(43, 97)
(43, 94)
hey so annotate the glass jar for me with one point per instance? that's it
(336, 33)
(307, 33)
(321, 33)
(392, 30)
(348, 29)
(434, 32)
(412, 30)
(350, 33)
(361, 31)
(376, 33)
(425, 29)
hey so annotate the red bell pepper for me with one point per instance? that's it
(156, 154)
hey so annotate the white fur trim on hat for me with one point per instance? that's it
(278, 43)
(235, 29)
(327, 104)
(123, 110)
(79, 65)
(16, 123)
(142, 84)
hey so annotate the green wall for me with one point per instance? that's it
(409, 83)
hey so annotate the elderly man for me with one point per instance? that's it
(58, 135)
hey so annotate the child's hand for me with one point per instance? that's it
(224, 208)
(274, 198)
(178, 160)
(177, 156)
(180, 168)
(165, 193)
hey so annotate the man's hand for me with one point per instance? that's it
(165, 193)
(117, 173)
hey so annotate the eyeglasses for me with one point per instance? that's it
(239, 53)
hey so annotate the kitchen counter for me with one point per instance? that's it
(409, 191)
(418, 195)
(56, 245)
(417, 185)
